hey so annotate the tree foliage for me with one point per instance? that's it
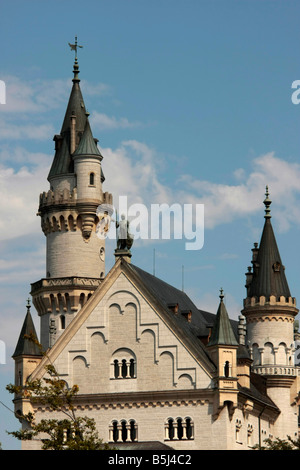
(281, 444)
(69, 432)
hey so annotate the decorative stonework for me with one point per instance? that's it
(278, 318)
(50, 295)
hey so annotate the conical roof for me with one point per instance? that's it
(75, 106)
(222, 332)
(25, 345)
(268, 271)
(62, 162)
(87, 144)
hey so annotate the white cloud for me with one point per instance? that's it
(225, 203)
(18, 131)
(20, 190)
(101, 121)
(34, 96)
(131, 170)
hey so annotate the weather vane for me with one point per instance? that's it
(74, 47)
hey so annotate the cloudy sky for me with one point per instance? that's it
(192, 104)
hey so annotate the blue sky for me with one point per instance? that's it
(191, 103)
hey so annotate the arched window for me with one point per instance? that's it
(92, 179)
(171, 429)
(179, 429)
(226, 369)
(189, 428)
(133, 430)
(123, 431)
(116, 368)
(124, 368)
(123, 365)
(115, 432)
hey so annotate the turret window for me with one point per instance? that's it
(226, 369)
(92, 179)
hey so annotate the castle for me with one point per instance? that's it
(153, 370)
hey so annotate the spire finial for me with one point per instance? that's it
(267, 203)
(74, 47)
(221, 294)
(28, 304)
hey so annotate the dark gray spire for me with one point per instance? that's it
(62, 162)
(268, 271)
(222, 332)
(87, 145)
(25, 346)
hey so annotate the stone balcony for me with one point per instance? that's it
(277, 370)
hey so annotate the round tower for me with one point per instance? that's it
(270, 312)
(75, 260)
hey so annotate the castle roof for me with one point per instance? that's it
(222, 332)
(62, 162)
(268, 271)
(75, 106)
(25, 345)
(87, 145)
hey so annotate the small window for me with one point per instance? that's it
(92, 179)
(62, 322)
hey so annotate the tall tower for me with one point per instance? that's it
(75, 262)
(270, 311)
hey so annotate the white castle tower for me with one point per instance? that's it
(75, 262)
(270, 312)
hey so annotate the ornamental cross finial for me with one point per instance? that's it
(267, 203)
(221, 294)
(74, 47)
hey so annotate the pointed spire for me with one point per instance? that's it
(87, 145)
(222, 332)
(25, 346)
(76, 105)
(268, 272)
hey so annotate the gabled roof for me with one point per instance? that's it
(25, 346)
(268, 271)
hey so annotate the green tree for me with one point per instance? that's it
(67, 433)
(280, 444)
